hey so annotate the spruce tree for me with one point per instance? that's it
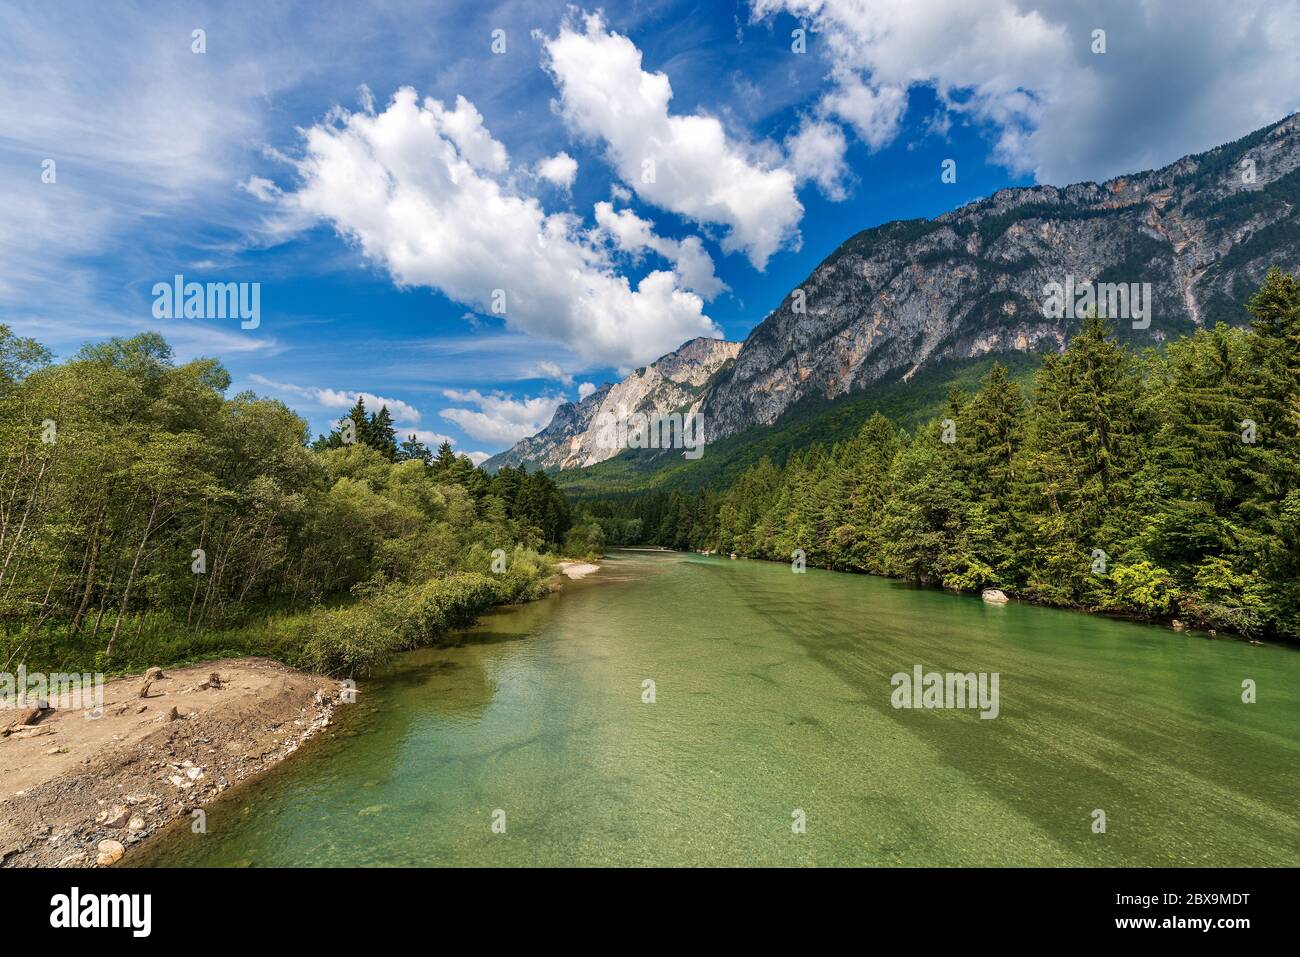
(382, 436)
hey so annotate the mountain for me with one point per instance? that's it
(900, 297)
(672, 383)
(930, 294)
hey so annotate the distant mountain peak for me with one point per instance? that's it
(672, 383)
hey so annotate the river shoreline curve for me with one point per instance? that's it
(82, 793)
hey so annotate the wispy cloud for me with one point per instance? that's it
(402, 412)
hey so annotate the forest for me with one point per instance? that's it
(146, 518)
(1162, 484)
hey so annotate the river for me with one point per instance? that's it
(772, 739)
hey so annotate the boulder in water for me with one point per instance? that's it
(994, 596)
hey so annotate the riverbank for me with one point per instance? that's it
(532, 740)
(1176, 622)
(576, 571)
(78, 791)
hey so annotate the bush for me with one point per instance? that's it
(445, 603)
(390, 618)
(1143, 587)
(351, 641)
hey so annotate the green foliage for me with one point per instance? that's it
(637, 473)
(1144, 587)
(146, 517)
(1159, 484)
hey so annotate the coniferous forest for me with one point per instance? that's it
(146, 517)
(1164, 483)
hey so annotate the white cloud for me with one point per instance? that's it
(552, 371)
(698, 172)
(691, 262)
(430, 439)
(816, 152)
(1177, 77)
(401, 412)
(874, 112)
(585, 389)
(478, 458)
(559, 170)
(400, 186)
(498, 417)
(261, 188)
(464, 127)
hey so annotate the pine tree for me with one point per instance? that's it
(1271, 511)
(990, 437)
(413, 449)
(445, 461)
(1084, 447)
(382, 437)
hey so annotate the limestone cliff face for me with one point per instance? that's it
(672, 383)
(1202, 231)
(892, 299)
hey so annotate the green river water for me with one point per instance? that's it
(773, 694)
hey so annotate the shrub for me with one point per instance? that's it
(351, 641)
(1144, 587)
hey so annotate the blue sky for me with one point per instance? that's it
(382, 172)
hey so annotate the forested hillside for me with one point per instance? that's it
(1165, 483)
(146, 518)
(660, 471)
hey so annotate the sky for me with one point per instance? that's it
(472, 212)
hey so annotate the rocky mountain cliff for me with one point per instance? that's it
(899, 297)
(1202, 231)
(673, 383)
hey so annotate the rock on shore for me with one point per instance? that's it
(107, 784)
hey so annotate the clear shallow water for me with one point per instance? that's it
(773, 693)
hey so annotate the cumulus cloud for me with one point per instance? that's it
(413, 187)
(402, 412)
(816, 152)
(632, 234)
(559, 170)
(585, 389)
(875, 112)
(464, 127)
(498, 417)
(1177, 77)
(684, 163)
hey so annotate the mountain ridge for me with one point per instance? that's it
(672, 383)
(896, 298)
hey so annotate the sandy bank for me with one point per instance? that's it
(72, 783)
(577, 570)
